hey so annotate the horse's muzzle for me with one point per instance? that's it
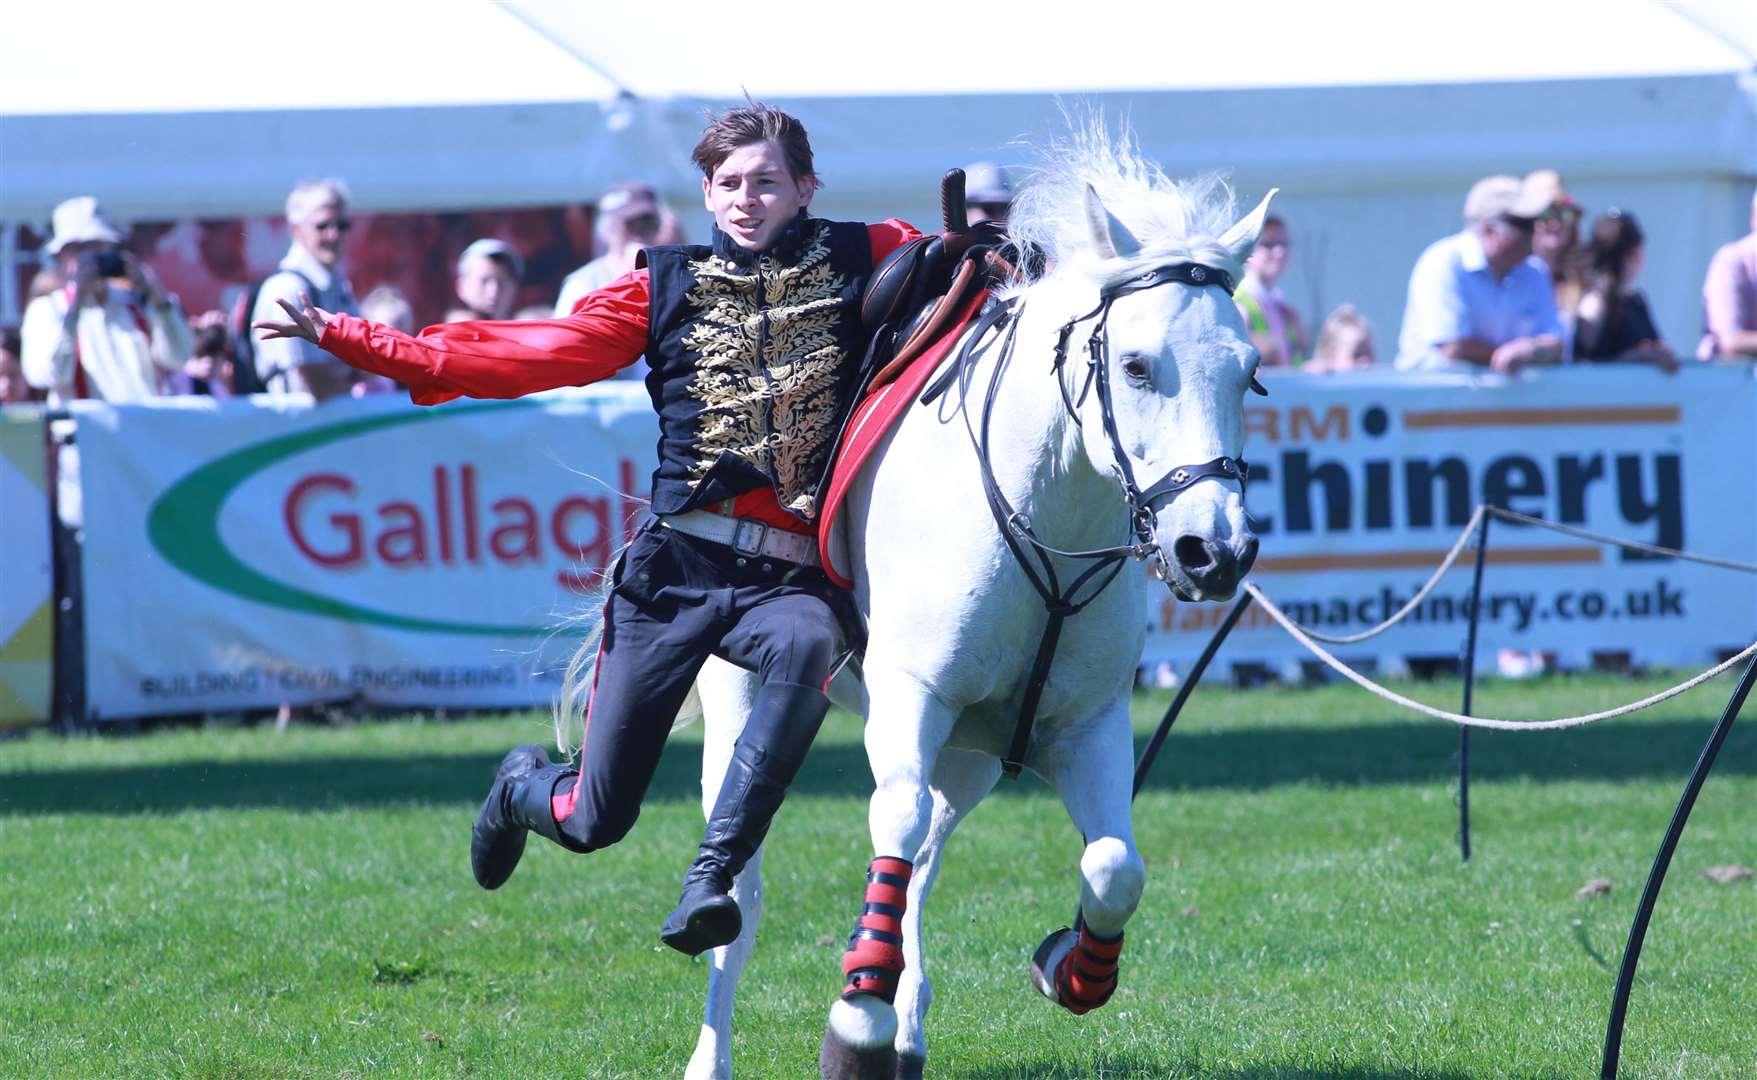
(1204, 569)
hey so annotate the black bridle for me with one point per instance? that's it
(1034, 556)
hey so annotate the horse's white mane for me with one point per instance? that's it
(1172, 219)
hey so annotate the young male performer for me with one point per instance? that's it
(753, 342)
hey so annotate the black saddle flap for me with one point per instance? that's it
(904, 279)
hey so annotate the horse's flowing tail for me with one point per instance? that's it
(568, 710)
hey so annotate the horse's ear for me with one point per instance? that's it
(1241, 239)
(1110, 237)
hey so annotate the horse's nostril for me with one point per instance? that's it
(1191, 552)
(1248, 557)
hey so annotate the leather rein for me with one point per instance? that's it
(1034, 556)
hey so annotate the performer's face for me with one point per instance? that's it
(754, 196)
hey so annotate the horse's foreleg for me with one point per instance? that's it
(727, 693)
(906, 727)
(1077, 968)
(960, 780)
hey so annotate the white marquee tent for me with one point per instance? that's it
(1372, 116)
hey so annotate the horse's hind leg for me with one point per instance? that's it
(905, 728)
(1077, 968)
(960, 780)
(727, 693)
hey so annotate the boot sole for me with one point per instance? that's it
(715, 923)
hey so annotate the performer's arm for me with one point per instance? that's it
(489, 359)
(889, 235)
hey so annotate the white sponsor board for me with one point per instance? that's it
(1361, 485)
(240, 555)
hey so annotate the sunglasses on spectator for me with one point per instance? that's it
(1565, 214)
(1521, 225)
(340, 225)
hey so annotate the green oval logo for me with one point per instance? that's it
(184, 527)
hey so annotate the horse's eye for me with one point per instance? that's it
(1135, 368)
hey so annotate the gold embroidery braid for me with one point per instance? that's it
(777, 410)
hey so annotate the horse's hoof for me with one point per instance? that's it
(1048, 955)
(909, 1066)
(839, 1061)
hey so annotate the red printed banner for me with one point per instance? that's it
(240, 555)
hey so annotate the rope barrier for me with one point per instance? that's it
(1463, 541)
(1369, 685)
(1632, 545)
(1420, 595)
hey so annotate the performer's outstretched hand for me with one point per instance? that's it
(308, 322)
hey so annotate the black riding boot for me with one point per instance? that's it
(517, 803)
(783, 721)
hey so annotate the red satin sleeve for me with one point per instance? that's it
(889, 235)
(606, 332)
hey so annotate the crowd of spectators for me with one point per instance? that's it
(1516, 286)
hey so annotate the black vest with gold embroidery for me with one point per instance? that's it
(753, 359)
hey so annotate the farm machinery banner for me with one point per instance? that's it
(242, 555)
(1360, 486)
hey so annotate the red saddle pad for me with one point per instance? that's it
(873, 420)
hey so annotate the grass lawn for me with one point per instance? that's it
(233, 903)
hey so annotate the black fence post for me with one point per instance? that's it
(1482, 549)
(1183, 692)
(1613, 1036)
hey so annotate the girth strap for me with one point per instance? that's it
(1014, 762)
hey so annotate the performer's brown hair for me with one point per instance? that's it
(755, 123)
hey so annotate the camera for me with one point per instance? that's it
(105, 263)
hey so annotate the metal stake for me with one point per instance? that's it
(1183, 692)
(1613, 1037)
(1482, 549)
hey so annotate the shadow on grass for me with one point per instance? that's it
(1129, 1067)
(1243, 760)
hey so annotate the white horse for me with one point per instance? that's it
(953, 621)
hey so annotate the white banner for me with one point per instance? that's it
(242, 555)
(1361, 484)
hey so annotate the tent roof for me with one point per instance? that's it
(1119, 45)
(218, 55)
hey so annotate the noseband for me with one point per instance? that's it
(1033, 555)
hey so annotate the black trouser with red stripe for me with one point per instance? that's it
(675, 601)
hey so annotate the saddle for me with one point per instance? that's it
(914, 293)
(915, 305)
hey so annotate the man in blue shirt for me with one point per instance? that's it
(1476, 299)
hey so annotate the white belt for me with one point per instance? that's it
(747, 536)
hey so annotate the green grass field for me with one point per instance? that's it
(233, 903)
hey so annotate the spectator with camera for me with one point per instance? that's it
(1477, 300)
(110, 332)
(317, 216)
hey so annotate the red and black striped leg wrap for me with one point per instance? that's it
(1086, 976)
(874, 959)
